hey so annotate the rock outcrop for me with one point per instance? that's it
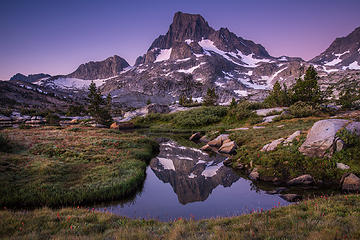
(110, 67)
(322, 140)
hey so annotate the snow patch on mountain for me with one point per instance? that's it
(190, 70)
(242, 93)
(353, 66)
(336, 60)
(163, 55)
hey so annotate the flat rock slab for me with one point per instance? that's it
(238, 129)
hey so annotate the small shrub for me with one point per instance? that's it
(242, 111)
(301, 109)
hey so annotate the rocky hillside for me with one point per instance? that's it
(29, 78)
(343, 53)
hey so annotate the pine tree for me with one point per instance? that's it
(210, 98)
(98, 108)
(307, 90)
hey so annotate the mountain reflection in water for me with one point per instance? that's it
(186, 182)
(192, 173)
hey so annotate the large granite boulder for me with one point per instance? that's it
(321, 137)
(322, 140)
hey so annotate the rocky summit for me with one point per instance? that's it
(192, 57)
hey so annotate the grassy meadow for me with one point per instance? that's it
(55, 166)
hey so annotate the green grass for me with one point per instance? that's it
(287, 162)
(57, 167)
(336, 217)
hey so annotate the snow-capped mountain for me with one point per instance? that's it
(192, 57)
(343, 54)
(236, 67)
(29, 78)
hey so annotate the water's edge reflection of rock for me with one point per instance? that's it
(192, 173)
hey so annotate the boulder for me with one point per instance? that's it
(273, 145)
(228, 147)
(254, 175)
(291, 138)
(350, 182)
(301, 180)
(157, 108)
(217, 142)
(206, 148)
(342, 166)
(290, 197)
(195, 137)
(321, 137)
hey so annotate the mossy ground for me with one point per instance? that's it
(54, 166)
(336, 217)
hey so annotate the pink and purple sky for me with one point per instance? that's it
(57, 36)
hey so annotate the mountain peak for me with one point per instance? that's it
(184, 26)
(343, 53)
(109, 67)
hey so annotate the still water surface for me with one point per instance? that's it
(188, 183)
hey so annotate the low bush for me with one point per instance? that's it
(199, 117)
(301, 109)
